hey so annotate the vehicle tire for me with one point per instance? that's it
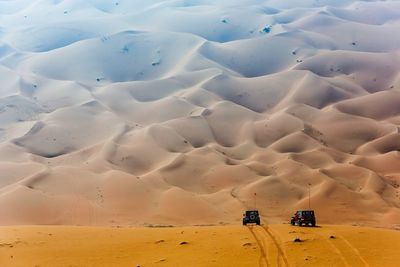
(244, 223)
(258, 222)
(292, 222)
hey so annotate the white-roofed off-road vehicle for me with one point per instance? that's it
(251, 216)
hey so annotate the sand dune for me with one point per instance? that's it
(178, 112)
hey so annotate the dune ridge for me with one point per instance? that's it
(178, 112)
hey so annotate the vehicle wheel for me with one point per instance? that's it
(258, 223)
(292, 222)
(244, 223)
(300, 224)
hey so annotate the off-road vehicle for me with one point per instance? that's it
(303, 217)
(251, 216)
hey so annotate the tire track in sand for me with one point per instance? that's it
(281, 253)
(262, 261)
(355, 251)
(338, 252)
(342, 252)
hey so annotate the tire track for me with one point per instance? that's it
(281, 253)
(356, 251)
(278, 263)
(338, 252)
(262, 261)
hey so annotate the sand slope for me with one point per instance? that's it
(178, 112)
(199, 246)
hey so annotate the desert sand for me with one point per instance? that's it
(177, 112)
(271, 245)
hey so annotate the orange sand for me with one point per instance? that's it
(206, 246)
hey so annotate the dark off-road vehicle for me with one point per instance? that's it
(251, 216)
(303, 217)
